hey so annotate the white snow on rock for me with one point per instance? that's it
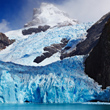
(48, 14)
(16, 34)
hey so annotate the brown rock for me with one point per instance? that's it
(35, 30)
(4, 41)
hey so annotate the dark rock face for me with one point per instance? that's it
(50, 50)
(92, 39)
(97, 65)
(36, 30)
(39, 59)
(4, 41)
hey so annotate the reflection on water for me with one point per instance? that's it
(54, 106)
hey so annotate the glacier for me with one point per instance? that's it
(51, 81)
(60, 82)
(27, 48)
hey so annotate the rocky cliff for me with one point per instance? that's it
(92, 39)
(97, 65)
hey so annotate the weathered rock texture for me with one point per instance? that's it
(50, 50)
(97, 65)
(35, 30)
(4, 41)
(92, 39)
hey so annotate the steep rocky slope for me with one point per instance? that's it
(97, 65)
(92, 39)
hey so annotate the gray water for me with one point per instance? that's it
(54, 106)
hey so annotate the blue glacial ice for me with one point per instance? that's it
(60, 82)
(24, 51)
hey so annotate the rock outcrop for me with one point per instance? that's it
(50, 50)
(97, 65)
(4, 41)
(92, 39)
(35, 30)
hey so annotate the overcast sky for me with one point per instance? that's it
(15, 13)
(86, 10)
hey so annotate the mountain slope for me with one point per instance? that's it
(93, 36)
(32, 42)
(25, 50)
(50, 15)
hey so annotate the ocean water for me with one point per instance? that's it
(77, 106)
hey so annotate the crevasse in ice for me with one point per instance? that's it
(60, 82)
(25, 50)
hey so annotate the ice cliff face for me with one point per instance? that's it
(50, 15)
(60, 82)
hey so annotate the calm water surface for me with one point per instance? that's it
(54, 107)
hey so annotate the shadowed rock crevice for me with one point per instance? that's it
(4, 41)
(92, 39)
(50, 50)
(97, 65)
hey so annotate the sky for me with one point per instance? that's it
(15, 13)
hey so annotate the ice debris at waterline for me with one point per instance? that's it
(60, 82)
